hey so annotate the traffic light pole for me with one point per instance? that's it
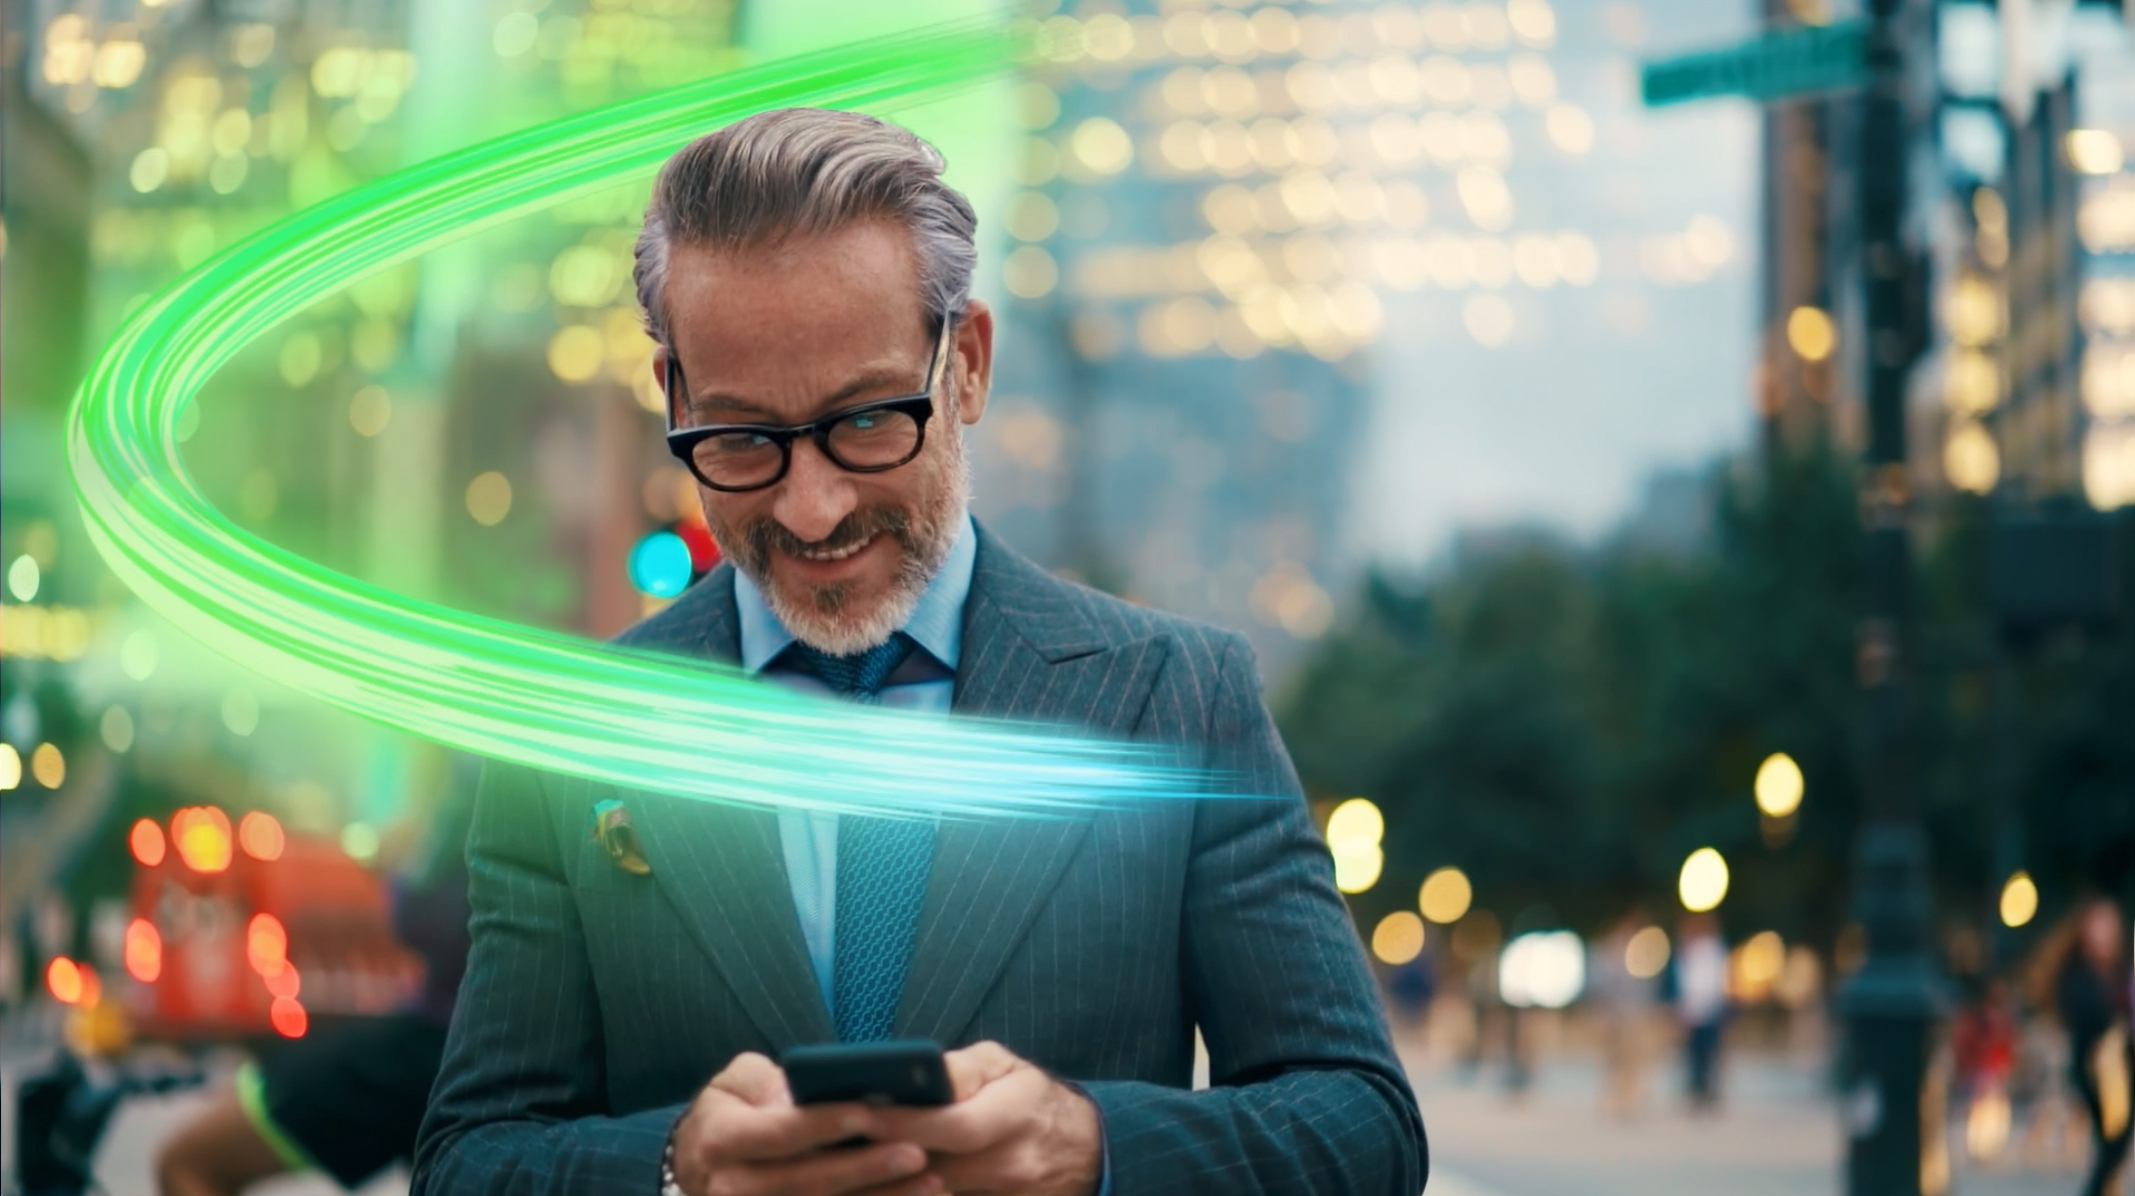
(1892, 1110)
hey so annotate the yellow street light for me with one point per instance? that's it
(1702, 884)
(1353, 834)
(1445, 896)
(2020, 900)
(1778, 785)
(1398, 938)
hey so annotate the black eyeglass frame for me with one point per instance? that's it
(919, 405)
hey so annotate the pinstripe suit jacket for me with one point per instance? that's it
(597, 1002)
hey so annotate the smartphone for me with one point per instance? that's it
(902, 1071)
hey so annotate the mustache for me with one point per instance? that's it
(767, 535)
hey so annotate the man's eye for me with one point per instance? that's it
(739, 442)
(866, 421)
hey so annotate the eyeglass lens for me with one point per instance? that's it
(863, 440)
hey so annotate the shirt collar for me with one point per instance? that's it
(937, 622)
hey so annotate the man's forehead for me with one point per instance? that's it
(780, 331)
(860, 269)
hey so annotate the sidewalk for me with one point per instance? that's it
(1776, 1135)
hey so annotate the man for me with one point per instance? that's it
(806, 275)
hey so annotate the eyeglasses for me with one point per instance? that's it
(871, 437)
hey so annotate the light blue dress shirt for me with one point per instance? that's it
(810, 840)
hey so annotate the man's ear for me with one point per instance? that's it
(972, 356)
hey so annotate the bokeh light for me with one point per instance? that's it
(63, 979)
(144, 950)
(660, 565)
(359, 841)
(2095, 151)
(1647, 953)
(1811, 334)
(1542, 969)
(145, 840)
(115, 728)
(1702, 883)
(2019, 900)
(1398, 938)
(23, 578)
(1778, 785)
(10, 767)
(288, 1017)
(266, 944)
(48, 765)
(202, 836)
(260, 834)
(1754, 967)
(1354, 831)
(1445, 896)
(489, 498)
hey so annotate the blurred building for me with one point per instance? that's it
(471, 428)
(2035, 290)
(1807, 196)
(1216, 199)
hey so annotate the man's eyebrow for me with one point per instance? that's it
(884, 377)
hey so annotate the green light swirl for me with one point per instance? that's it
(538, 698)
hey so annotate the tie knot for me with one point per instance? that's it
(857, 676)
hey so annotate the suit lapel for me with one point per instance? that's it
(721, 866)
(1031, 653)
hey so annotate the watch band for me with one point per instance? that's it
(668, 1185)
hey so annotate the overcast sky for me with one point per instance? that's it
(1599, 385)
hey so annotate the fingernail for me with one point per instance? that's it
(908, 1158)
(853, 1123)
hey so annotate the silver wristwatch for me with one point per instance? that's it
(668, 1186)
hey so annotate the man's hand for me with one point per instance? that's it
(744, 1136)
(1013, 1129)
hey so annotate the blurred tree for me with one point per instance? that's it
(1567, 723)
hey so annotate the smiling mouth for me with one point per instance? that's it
(827, 555)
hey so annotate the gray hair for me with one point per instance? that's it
(802, 171)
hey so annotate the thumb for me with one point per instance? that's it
(973, 1067)
(754, 1079)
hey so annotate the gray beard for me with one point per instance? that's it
(819, 616)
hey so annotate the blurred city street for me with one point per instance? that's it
(1668, 465)
(1776, 1135)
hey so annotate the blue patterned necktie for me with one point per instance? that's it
(882, 869)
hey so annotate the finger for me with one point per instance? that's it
(926, 1183)
(748, 1134)
(974, 1173)
(827, 1173)
(992, 1114)
(755, 1079)
(973, 1067)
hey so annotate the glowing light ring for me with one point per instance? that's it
(537, 698)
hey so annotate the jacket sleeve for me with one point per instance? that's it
(1305, 1092)
(520, 1105)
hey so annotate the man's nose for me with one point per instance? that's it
(815, 495)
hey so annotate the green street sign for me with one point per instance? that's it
(1773, 67)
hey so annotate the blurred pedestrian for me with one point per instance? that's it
(1624, 1004)
(2090, 992)
(1983, 1045)
(1701, 1005)
(346, 1099)
(1409, 989)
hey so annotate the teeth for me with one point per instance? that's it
(835, 554)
